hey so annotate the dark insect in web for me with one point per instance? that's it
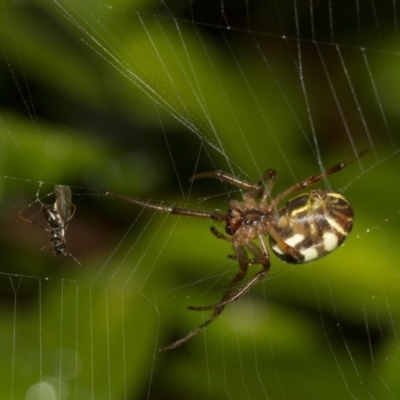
(58, 216)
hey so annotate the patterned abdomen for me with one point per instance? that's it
(314, 224)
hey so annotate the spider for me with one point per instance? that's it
(308, 227)
(57, 216)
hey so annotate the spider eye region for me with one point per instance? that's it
(237, 218)
(314, 224)
(233, 221)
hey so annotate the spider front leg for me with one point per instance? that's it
(214, 216)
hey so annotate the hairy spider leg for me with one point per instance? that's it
(244, 263)
(263, 189)
(269, 176)
(171, 210)
(194, 332)
(253, 190)
(225, 177)
(262, 258)
(237, 294)
(314, 179)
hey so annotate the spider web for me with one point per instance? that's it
(136, 97)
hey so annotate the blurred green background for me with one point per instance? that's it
(136, 97)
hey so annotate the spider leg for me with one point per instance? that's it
(220, 235)
(230, 295)
(218, 309)
(237, 295)
(225, 177)
(171, 210)
(269, 176)
(194, 332)
(284, 246)
(227, 298)
(253, 190)
(314, 179)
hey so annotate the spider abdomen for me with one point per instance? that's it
(314, 224)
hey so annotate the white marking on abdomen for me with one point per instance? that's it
(330, 241)
(277, 249)
(309, 254)
(294, 240)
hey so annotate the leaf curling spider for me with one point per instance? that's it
(310, 226)
(57, 216)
